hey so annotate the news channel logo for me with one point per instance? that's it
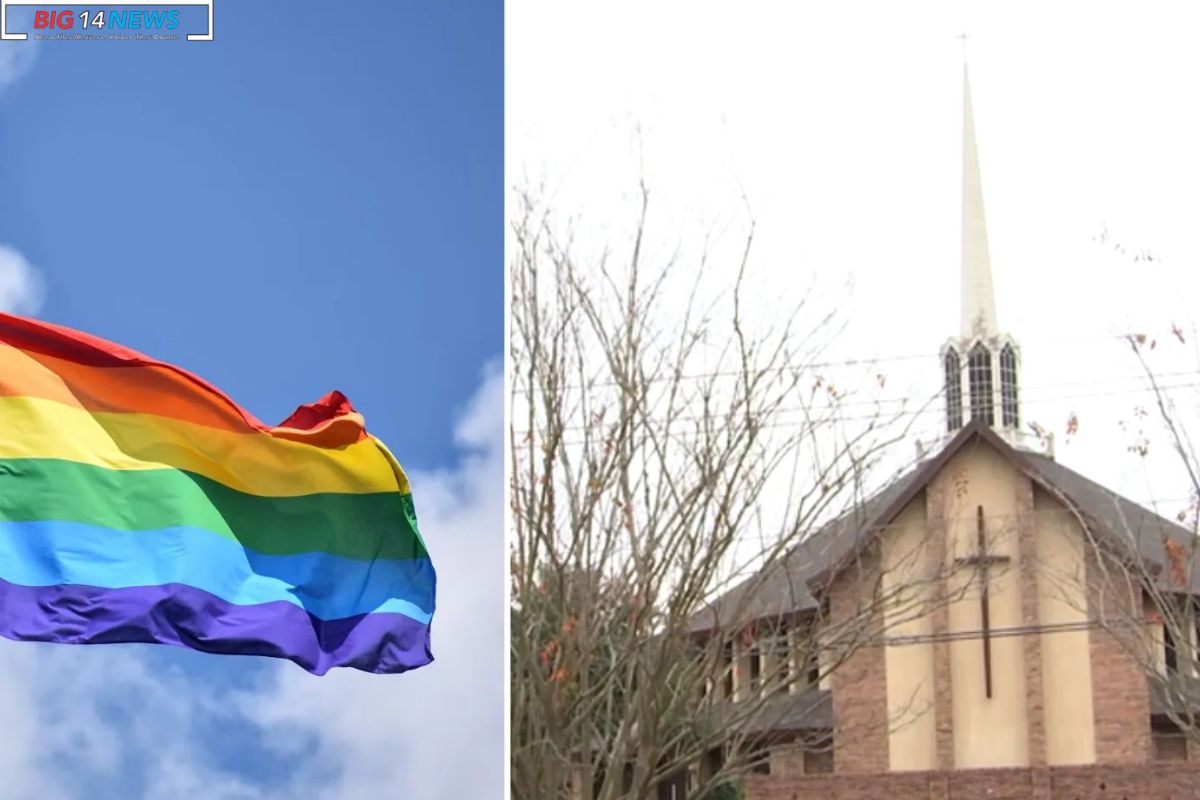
(125, 20)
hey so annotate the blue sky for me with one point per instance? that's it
(311, 201)
(299, 205)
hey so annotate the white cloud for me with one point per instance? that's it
(437, 732)
(481, 427)
(132, 721)
(21, 288)
(15, 60)
(20, 748)
(60, 740)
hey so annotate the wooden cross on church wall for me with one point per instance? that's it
(981, 561)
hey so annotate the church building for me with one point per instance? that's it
(995, 669)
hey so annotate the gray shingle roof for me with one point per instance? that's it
(1120, 520)
(808, 710)
(787, 585)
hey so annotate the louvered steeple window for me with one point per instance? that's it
(979, 379)
(1008, 387)
(954, 407)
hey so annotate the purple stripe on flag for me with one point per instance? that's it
(188, 617)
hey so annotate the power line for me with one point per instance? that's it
(930, 407)
(1015, 630)
(862, 362)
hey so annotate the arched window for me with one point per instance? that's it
(1008, 387)
(979, 378)
(954, 408)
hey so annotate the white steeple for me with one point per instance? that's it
(981, 365)
(978, 301)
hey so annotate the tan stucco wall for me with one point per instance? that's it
(988, 732)
(798, 654)
(1155, 638)
(912, 740)
(1189, 645)
(741, 670)
(824, 667)
(1066, 661)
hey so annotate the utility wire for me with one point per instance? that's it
(817, 413)
(860, 362)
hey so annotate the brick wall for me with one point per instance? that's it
(1193, 750)
(1120, 690)
(787, 762)
(935, 509)
(1161, 781)
(1035, 704)
(1120, 693)
(859, 685)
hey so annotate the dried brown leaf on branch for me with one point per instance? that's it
(1177, 558)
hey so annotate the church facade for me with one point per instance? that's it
(1000, 672)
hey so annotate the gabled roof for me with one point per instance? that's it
(810, 709)
(784, 588)
(1117, 519)
(793, 583)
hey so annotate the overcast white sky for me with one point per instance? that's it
(842, 125)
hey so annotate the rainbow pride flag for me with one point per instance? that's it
(140, 504)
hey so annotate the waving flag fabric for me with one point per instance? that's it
(140, 504)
